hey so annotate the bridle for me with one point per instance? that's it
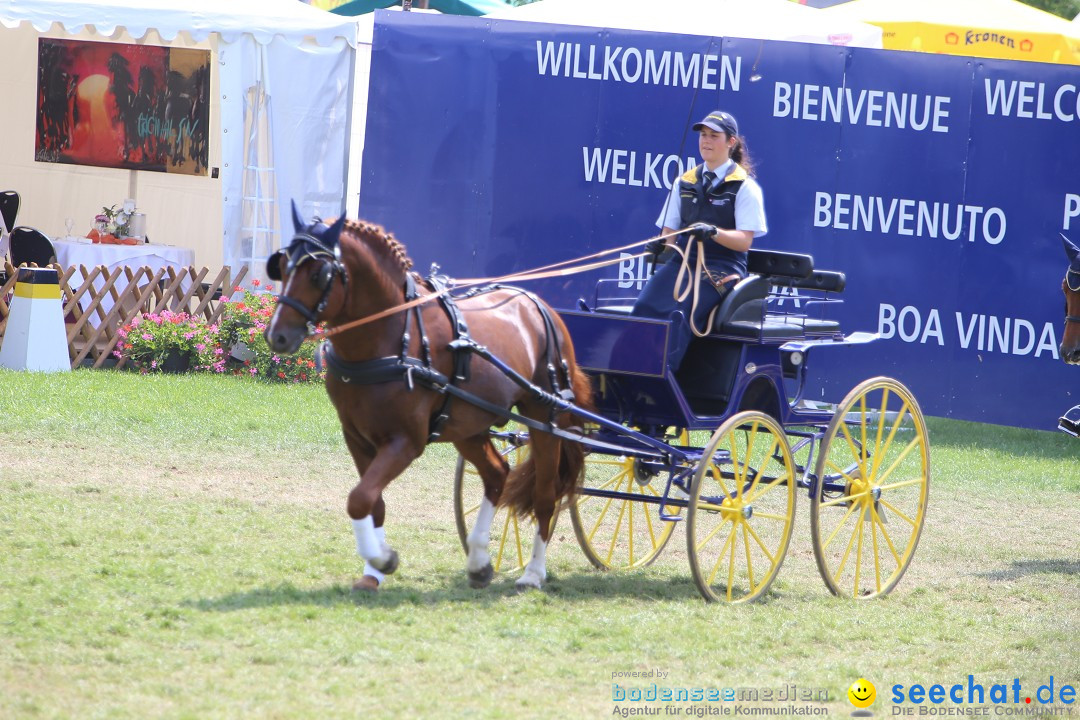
(303, 247)
(1076, 289)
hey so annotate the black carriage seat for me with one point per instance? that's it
(823, 281)
(740, 313)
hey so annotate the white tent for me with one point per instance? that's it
(760, 19)
(281, 79)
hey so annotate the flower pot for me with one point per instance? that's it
(175, 362)
(242, 352)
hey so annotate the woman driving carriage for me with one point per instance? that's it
(721, 207)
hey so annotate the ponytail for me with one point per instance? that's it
(741, 155)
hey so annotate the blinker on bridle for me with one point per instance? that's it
(303, 247)
(1073, 287)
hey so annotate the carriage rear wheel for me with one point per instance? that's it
(868, 505)
(742, 508)
(621, 533)
(509, 533)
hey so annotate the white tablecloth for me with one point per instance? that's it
(113, 256)
(73, 253)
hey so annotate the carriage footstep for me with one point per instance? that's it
(366, 584)
(481, 578)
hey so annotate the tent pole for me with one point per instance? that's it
(350, 99)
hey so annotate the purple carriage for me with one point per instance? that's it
(725, 444)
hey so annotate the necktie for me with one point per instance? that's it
(707, 181)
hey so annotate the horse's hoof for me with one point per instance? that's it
(366, 584)
(527, 582)
(481, 578)
(390, 565)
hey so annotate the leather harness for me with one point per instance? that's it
(415, 371)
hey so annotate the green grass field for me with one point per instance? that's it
(177, 546)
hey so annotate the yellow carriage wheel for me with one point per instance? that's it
(742, 508)
(869, 506)
(510, 535)
(621, 534)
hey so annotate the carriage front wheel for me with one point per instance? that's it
(508, 532)
(621, 532)
(872, 481)
(742, 508)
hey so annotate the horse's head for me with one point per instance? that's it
(306, 271)
(1070, 341)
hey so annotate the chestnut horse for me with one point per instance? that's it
(377, 371)
(1070, 341)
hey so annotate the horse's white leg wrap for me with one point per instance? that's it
(380, 534)
(368, 543)
(536, 571)
(480, 537)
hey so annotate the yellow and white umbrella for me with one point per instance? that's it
(1003, 29)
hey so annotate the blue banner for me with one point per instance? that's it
(938, 184)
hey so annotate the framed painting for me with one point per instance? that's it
(137, 107)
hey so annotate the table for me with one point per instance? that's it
(72, 253)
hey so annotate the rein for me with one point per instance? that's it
(545, 271)
(692, 280)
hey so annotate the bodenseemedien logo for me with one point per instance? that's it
(862, 694)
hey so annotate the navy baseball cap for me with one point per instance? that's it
(719, 121)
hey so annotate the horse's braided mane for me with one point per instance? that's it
(389, 242)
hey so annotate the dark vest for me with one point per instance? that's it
(717, 207)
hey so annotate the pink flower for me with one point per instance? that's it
(200, 346)
(147, 336)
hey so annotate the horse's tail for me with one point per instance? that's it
(518, 491)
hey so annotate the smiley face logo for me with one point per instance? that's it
(862, 693)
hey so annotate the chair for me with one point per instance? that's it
(31, 246)
(9, 208)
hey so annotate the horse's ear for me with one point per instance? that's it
(297, 219)
(332, 235)
(1071, 250)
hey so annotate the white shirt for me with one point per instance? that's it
(749, 204)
